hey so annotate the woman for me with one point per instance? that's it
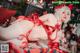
(46, 28)
(53, 24)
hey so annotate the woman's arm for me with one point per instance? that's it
(49, 19)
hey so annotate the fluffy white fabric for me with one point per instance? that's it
(16, 29)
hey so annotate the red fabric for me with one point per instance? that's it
(59, 6)
(6, 14)
(25, 51)
(13, 49)
(35, 50)
(71, 6)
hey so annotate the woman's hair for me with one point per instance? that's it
(60, 9)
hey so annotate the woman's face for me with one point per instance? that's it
(21, 41)
(65, 16)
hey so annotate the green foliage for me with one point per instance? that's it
(74, 21)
